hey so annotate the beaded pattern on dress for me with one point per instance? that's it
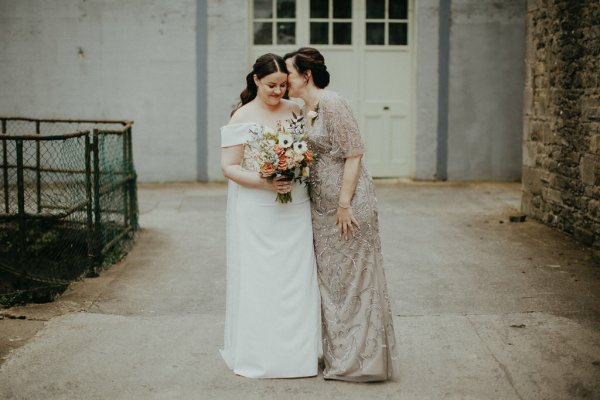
(358, 334)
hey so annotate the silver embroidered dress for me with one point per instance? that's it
(358, 333)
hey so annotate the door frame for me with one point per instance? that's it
(359, 47)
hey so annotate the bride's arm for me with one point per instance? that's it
(231, 158)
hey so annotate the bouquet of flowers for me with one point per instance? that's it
(280, 152)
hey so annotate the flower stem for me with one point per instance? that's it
(284, 198)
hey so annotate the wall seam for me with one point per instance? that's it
(443, 90)
(201, 92)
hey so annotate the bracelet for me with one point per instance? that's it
(343, 206)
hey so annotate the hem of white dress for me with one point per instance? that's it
(230, 364)
(269, 376)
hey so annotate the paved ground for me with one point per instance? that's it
(485, 308)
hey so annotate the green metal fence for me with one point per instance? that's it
(68, 202)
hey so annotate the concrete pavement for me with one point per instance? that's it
(485, 308)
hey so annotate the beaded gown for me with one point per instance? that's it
(272, 321)
(357, 328)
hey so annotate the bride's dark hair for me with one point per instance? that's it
(309, 58)
(263, 66)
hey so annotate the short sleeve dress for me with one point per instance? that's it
(358, 334)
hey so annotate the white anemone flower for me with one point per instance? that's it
(300, 147)
(286, 140)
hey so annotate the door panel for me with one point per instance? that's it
(386, 95)
(386, 91)
(385, 130)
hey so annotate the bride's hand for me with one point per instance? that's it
(281, 184)
(346, 222)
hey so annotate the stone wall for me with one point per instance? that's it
(561, 149)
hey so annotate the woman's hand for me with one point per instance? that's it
(282, 184)
(346, 222)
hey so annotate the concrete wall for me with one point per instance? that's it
(426, 88)
(131, 59)
(479, 138)
(561, 166)
(486, 75)
(227, 45)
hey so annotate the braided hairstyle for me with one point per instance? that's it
(263, 66)
(309, 58)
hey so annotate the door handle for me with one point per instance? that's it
(385, 108)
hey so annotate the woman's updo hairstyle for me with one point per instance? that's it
(263, 66)
(308, 58)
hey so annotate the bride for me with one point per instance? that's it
(273, 313)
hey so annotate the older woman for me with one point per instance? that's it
(357, 328)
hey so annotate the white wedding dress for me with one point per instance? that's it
(272, 322)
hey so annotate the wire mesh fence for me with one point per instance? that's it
(68, 203)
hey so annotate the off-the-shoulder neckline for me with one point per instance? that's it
(245, 123)
(241, 123)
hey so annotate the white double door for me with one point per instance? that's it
(367, 46)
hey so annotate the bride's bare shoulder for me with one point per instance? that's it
(242, 114)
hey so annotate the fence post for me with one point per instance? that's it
(38, 174)
(21, 197)
(97, 216)
(132, 184)
(125, 184)
(88, 195)
(5, 168)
